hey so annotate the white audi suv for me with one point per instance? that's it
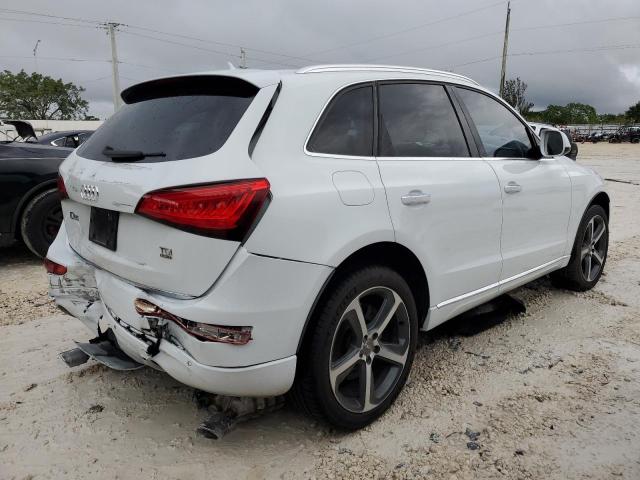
(253, 232)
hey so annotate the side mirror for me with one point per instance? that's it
(554, 143)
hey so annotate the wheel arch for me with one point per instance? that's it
(391, 254)
(602, 199)
(24, 201)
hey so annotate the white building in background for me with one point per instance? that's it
(46, 126)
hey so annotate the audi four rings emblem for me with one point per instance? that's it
(89, 192)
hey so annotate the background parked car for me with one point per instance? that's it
(626, 134)
(29, 204)
(69, 138)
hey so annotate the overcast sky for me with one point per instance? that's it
(427, 33)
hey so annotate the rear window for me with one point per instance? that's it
(182, 117)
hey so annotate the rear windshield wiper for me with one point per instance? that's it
(129, 155)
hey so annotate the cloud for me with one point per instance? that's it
(431, 33)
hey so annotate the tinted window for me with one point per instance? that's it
(183, 117)
(502, 134)
(346, 127)
(418, 120)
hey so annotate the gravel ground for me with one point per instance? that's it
(551, 393)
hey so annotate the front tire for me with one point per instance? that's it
(589, 253)
(41, 221)
(360, 349)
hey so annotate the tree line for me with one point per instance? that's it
(40, 97)
(569, 114)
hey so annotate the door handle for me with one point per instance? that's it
(512, 187)
(415, 197)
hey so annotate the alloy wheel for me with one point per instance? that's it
(369, 349)
(51, 224)
(594, 248)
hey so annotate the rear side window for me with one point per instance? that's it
(418, 120)
(501, 133)
(346, 127)
(182, 117)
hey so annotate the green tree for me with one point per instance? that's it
(580, 113)
(40, 97)
(514, 95)
(633, 114)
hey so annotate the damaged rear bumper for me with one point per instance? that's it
(102, 301)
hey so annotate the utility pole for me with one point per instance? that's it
(35, 53)
(111, 29)
(505, 49)
(243, 58)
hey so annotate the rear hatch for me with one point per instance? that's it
(153, 192)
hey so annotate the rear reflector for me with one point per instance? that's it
(62, 189)
(205, 332)
(54, 268)
(221, 210)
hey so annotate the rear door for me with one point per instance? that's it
(194, 131)
(536, 194)
(445, 202)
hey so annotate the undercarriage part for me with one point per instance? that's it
(74, 357)
(104, 349)
(226, 412)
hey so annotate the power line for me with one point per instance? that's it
(571, 24)
(24, 12)
(27, 20)
(440, 45)
(214, 42)
(65, 59)
(218, 52)
(601, 48)
(405, 30)
(98, 23)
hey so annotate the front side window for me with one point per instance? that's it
(346, 127)
(418, 120)
(501, 133)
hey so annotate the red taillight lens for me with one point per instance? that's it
(222, 210)
(54, 268)
(62, 189)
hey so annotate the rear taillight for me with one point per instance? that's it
(221, 210)
(62, 189)
(54, 268)
(205, 332)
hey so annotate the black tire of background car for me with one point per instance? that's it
(571, 277)
(312, 391)
(38, 223)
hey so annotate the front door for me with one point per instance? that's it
(536, 194)
(445, 205)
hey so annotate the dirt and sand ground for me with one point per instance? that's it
(553, 393)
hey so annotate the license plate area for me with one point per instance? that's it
(103, 227)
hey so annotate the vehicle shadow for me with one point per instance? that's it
(17, 254)
(479, 319)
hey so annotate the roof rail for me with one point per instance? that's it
(380, 68)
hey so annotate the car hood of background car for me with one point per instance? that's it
(32, 150)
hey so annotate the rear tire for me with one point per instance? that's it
(41, 221)
(346, 351)
(589, 253)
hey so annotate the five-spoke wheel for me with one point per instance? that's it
(369, 349)
(594, 248)
(359, 353)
